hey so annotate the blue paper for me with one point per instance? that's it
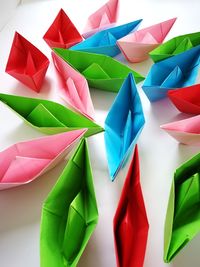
(105, 42)
(174, 72)
(123, 125)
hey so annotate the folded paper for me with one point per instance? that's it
(69, 213)
(136, 46)
(123, 125)
(101, 71)
(130, 221)
(183, 217)
(104, 17)
(23, 162)
(185, 131)
(62, 32)
(174, 72)
(175, 46)
(27, 63)
(49, 117)
(73, 87)
(105, 42)
(186, 99)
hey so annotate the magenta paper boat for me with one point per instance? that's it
(104, 18)
(23, 162)
(185, 131)
(137, 45)
(73, 87)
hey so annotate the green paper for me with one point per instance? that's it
(69, 214)
(49, 117)
(175, 46)
(183, 213)
(101, 71)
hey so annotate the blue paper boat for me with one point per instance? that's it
(174, 72)
(123, 125)
(105, 42)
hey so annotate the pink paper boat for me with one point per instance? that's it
(74, 87)
(136, 46)
(23, 162)
(104, 18)
(185, 131)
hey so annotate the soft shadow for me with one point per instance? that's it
(102, 100)
(185, 152)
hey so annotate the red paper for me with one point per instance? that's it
(130, 221)
(27, 63)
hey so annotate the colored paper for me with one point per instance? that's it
(23, 162)
(123, 125)
(69, 213)
(175, 46)
(101, 71)
(182, 222)
(62, 32)
(136, 46)
(104, 17)
(49, 117)
(186, 99)
(185, 131)
(130, 221)
(73, 87)
(105, 42)
(174, 72)
(27, 63)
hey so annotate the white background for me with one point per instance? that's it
(160, 155)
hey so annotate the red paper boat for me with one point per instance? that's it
(27, 63)
(62, 32)
(186, 99)
(130, 221)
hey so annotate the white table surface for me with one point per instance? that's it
(160, 155)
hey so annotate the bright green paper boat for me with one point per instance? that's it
(69, 214)
(183, 213)
(49, 117)
(175, 46)
(101, 71)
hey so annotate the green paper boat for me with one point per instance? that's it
(49, 117)
(69, 214)
(183, 213)
(101, 71)
(175, 46)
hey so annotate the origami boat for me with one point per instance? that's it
(105, 42)
(62, 32)
(27, 63)
(102, 72)
(186, 99)
(185, 131)
(105, 17)
(23, 162)
(183, 217)
(74, 87)
(130, 221)
(174, 72)
(123, 125)
(69, 214)
(136, 46)
(49, 117)
(175, 46)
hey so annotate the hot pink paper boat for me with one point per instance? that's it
(136, 46)
(104, 18)
(74, 87)
(23, 162)
(185, 131)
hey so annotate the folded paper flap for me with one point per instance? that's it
(30, 66)
(165, 28)
(174, 78)
(74, 94)
(149, 39)
(104, 20)
(107, 39)
(172, 253)
(185, 45)
(95, 71)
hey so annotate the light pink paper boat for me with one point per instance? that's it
(104, 18)
(185, 131)
(136, 46)
(73, 87)
(23, 162)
